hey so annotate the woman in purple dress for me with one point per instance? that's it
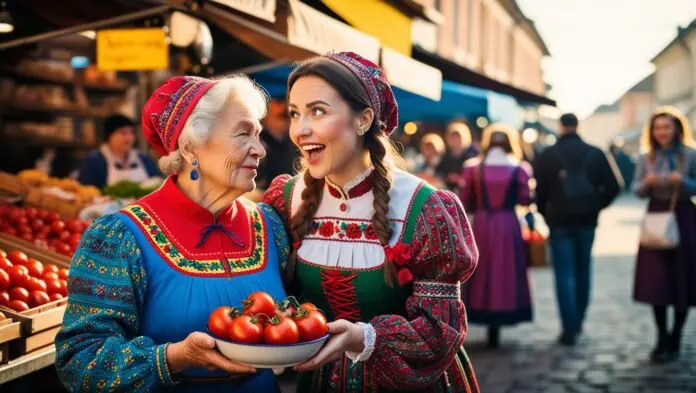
(492, 185)
(668, 277)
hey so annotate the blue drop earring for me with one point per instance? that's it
(194, 171)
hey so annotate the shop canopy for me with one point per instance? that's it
(457, 101)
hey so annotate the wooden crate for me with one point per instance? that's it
(9, 331)
(11, 243)
(35, 197)
(25, 345)
(40, 318)
(37, 326)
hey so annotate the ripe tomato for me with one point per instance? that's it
(21, 220)
(4, 280)
(38, 298)
(74, 226)
(309, 306)
(281, 330)
(220, 319)
(4, 298)
(245, 329)
(18, 305)
(5, 264)
(64, 236)
(10, 231)
(261, 304)
(36, 284)
(62, 248)
(49, 267)
(37, 224)
(54, 286)
(63, 273)
(57, 226)
(18, 275)
(312, 325)
(27, 237)
(19, 293)
(74, 241)
(3, 254)
(64, 285)
(55, 296)
(17, 258)
(50, 276)
(52, 217)
(31, 212)
(35, 267)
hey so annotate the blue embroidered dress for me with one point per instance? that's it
(150, 275)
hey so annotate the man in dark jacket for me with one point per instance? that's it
(281, 153)
(575, 181)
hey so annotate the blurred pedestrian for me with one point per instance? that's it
(459, 149)
(281, 153)
(432, 148)
(498, 293)
(575, 181)
(666, 174)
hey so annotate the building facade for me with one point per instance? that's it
(675, 72)
(491, 37)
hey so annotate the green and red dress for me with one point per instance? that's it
(414, 331)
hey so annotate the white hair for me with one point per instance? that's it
(236, 88)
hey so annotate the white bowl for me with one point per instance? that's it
(270, 356)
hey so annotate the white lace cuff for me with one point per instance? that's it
(369, 338)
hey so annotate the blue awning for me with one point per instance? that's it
(458, 101)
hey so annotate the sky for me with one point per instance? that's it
(601, 48)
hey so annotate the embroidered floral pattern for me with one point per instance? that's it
(342, 230)
(213, 267)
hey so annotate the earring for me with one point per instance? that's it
(194, 171)
(362, 131)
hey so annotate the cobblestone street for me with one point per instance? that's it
(612, 355)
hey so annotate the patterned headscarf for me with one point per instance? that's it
(375, 82)
(167, 110)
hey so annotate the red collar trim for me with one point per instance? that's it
(181, 221)
(352, 191)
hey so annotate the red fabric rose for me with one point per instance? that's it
(327, 229)
(370, 232)
(404, 276)
(400, 254)
(353, 231)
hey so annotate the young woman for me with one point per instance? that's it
(494, 184)
(668, 277)
(379, 250)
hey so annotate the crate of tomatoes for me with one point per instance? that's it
(265, 333)
(42, 228)
(33, 294)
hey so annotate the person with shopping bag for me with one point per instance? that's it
(666, 262)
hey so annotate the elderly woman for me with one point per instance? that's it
(666, 175)
(144, 280)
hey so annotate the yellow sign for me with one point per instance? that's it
(132, 49)
(377, 18)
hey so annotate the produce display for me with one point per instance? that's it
(37, 178)
(43, 228)
(26, 283)
(263, 321)
(128, 189)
